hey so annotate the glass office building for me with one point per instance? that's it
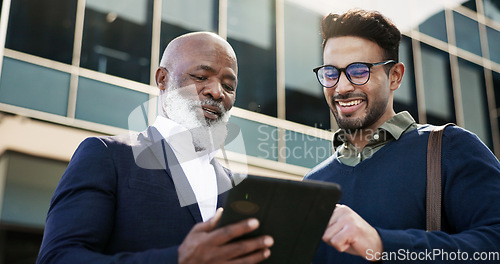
(71, 69)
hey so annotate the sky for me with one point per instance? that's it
(406, 14)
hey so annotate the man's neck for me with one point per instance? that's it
(359, 137)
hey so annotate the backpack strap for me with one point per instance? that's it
(433, 196)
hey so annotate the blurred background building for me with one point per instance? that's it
(77, 68)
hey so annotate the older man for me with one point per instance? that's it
(151, 197)
(380, 160)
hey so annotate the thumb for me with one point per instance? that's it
(212, 222)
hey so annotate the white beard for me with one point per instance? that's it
(207, 134)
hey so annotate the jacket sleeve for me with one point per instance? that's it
(471, 209)
(81, 214)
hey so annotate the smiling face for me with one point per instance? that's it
(197, 79)
(364, 106)
(204, 67)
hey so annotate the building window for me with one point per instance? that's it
(110, 105)
(496, 90)
(493, 44)
(305, 150)
(305, 102)
(29, 184)
(251, 31)
(31, 86)
(405, 98)
(435, 26)
(492, 9)
(21, 244)
(117, 38)
(439, 103)
(43, 28)
(257, 139)
(467, 33)
(474, 103)
(183, 16)
(471, 4)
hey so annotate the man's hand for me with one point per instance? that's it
(205, 244)
(348, 232)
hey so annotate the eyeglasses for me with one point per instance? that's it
(358, 73)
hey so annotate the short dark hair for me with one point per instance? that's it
(370, 25)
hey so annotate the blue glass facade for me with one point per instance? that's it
(107, 104)
(31, 86)
(117, 40)
(93, 64)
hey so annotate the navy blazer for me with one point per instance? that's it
(117, 203)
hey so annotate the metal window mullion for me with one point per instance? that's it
(155, 57)
(222, 28)
(492, 110)
(483, 38)
(280, 58)
(479, 7)
(455, 75)
(457, 90)
(280, 76)
(488, 76)
(419, 80)
(75, 63)
(4, 163)
(4, 23)
(155, 42)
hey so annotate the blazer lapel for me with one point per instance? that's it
(165, 155)
(184, 191)
(224, 182)
(156, 146)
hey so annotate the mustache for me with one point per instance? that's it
(214, 103)
(223, 112)
(348, 96)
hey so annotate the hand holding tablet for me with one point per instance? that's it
(294, 213)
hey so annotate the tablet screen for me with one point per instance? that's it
(294, 213)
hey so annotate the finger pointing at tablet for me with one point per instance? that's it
(348, 232)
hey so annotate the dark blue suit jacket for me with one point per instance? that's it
(117, 203)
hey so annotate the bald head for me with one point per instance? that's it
(197, 79)
(201, 66)
(192, 42)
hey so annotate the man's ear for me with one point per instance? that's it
(396, 75)
(161, 78)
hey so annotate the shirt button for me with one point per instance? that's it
(376, 136)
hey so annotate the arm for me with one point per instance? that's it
(81, 217)
(348, 232)
(81, 214)
(471, 202)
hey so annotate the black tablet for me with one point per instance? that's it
(294, 213)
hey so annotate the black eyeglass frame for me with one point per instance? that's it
(340, 70)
